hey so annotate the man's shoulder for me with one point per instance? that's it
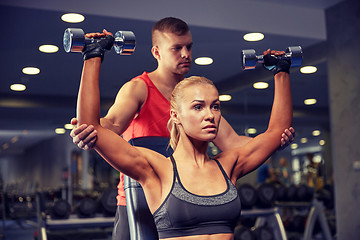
(142, 77)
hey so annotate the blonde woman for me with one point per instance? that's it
(190, 195)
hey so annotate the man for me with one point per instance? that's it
(141, 111)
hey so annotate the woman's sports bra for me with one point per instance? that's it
(186, 214)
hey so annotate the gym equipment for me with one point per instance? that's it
(317, 214)
(61, 209)
(266, 195)
(74, 41)
(243, 233)
(291, 193)
(304, 193)
(141, 221)
(326, 196)
(264, 233)
(250, 59)
(281, 192)
(108, 202)
(86, 208)
(248, 195)
(307, 224)
(269, 217)
(19, 206)
(298, 193)
(297, 223)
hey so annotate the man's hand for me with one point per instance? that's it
(287, 137)
(83, 136)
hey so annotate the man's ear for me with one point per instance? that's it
(155, 52)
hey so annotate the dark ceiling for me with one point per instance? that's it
(217, 28)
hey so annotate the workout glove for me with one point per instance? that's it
(276, 64)
(98, 47)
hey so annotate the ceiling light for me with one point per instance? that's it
(260, 85)
(294, 146)
(252, 37)
(14, 139)
(60, 131)
(203, 61)
(322, 142)
(224, 98)
(48, 48)
(72, 17)
(251, 130)
(68, 126)
(31, 70)
(310, 101)
(316, 133)
(303, 140)
(308, 69)
(18, 87)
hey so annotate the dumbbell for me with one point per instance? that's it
(86, 208)
(61, 209)
(74, 40)
(248, 195)
(266, 195)
(250, 59)
(108, 203)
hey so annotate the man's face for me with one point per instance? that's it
(175, 52)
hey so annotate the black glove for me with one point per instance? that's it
(277, 64)
(98, 47)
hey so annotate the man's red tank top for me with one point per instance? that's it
(151, 121)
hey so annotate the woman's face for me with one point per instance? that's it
(199, 112)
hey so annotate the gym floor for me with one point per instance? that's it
(18, 230)
(27, 230)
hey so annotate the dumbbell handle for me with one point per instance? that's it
(260, 58)
(118, 41)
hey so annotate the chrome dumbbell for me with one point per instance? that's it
(250, 59)
(74, 40)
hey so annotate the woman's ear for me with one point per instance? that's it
(174, 117)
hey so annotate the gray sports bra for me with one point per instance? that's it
(185, 214)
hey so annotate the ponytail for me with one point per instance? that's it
(174, 134)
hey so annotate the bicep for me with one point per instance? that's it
(255, 153)
(133, 161)
(227, 138)
(127, 104)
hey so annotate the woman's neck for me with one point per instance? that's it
(191, 150)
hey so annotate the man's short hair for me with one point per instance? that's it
(171, 25)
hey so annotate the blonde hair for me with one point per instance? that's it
(176, 97)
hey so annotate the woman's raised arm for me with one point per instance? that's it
(253, 154)
(113, 148)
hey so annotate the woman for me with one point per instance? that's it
(190, 195)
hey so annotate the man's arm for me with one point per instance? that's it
(128, 103)
(227, 138)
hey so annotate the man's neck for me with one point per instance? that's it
(165, 81)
